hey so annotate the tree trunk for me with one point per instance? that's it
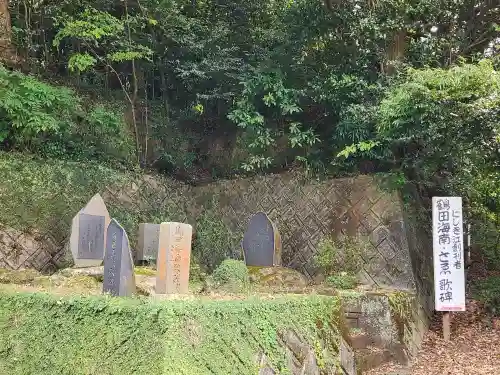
(7, 51)
(164, 90)
(133, 99)
(395, 52)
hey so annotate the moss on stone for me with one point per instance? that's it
(277, 278)
(402, 307)
(18, 276)
(146, 271)
(19, 280)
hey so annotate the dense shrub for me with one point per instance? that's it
(55, 122)
(488, 292)
(342, 281)
(214, 240)
(341, 255)
(231, 274)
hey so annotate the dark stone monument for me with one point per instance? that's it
(119, 278)
(91, 236)
(149, 236)
(262, 242)
(88, 233)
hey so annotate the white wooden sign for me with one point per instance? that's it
(448, 243)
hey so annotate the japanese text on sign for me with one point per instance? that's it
(176, 257)
(449, 280)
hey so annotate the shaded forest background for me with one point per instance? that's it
(209, 89)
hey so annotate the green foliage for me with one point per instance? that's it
(81, 62)
(488, 292)
(341, 255)
(438, 128)
(267, 90)
(359, 147)
(443, 127)
(342, 281)
(53, 121)
(296, 82)
(111, 336)
(231, 275)
(96, 29)
(486, 238)
(92, 25)
(462, 92)
(103, 136)
(50, 193)
(30, 108)
(402, 306)
(214, 241)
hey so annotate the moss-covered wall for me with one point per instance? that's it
(41, 334)
(391, 320)
(39, 198)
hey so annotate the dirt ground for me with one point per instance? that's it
(474, 348)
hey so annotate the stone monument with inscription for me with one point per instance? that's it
(149, 235)
(119, 278)
(88, 233)
(262, 242)
(174, 254)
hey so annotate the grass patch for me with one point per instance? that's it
(145, 271)
(342, 281)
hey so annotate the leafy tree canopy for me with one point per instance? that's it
(211, 88)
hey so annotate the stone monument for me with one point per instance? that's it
(174, 254)
(149, 235)
(119, 278)
(88, 233)
(262, 242)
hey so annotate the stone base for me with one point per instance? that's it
(277, 277)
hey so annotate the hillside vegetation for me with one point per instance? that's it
(206, 89)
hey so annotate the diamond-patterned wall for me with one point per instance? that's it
(304, 211)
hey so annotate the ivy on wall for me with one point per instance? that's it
(125, 336)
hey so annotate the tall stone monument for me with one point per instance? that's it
(88, 233)
(149, 235)
(174, 254)
(119, 278)
(262, 242)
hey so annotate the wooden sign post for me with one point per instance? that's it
(446, 326)
(448, 249)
